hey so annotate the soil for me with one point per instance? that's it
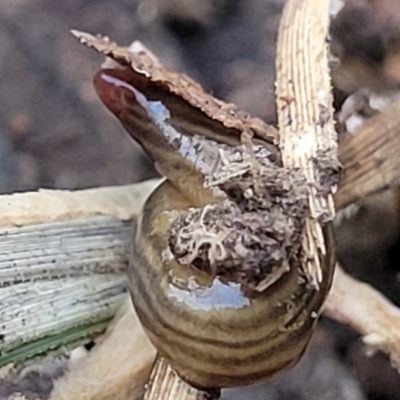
(55, 133)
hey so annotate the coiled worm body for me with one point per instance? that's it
(217, 329)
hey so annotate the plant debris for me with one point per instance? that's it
(253, 233)
(143, 62)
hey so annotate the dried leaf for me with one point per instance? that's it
(143, 62)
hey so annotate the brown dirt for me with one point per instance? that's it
(55, 133)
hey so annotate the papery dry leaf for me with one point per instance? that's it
(146, 64)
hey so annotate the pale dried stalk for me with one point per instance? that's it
(368, 312)
(305, 113)
(121, 202)
(370, 157)
(165, 384)
(116, 369)
(302, 78)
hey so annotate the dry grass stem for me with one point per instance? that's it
(304, 104)
(165, 384)
(368, 312)
(370, 157)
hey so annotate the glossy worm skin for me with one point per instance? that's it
(213, 333)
